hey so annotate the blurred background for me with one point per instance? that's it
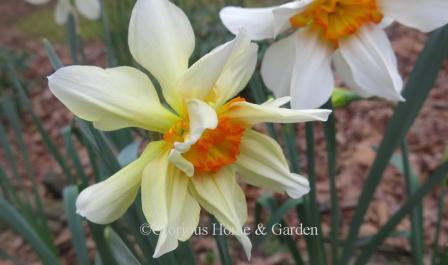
(360, 127)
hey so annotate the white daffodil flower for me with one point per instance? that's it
(90, 9)
(348, 33)
(207, 135)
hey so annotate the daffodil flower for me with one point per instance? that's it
(207, 135)
(348, 33)
(90, 9)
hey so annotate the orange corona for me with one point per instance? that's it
(336, 19)
(216, 148)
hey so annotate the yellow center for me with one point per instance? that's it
(336, 19)
(216, 148)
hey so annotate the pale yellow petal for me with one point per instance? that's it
(221, 196)
(107, 201)
(111, 98)
(183, 215)
(270, 112)
(262, 163)
(222, 73)
(161, 39)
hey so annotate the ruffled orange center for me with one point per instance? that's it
(216, 148)
(336, 19)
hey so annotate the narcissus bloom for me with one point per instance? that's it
(348, 33)
(207, 135)
(90, 9)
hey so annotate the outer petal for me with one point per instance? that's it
(61, 12)
(202, 117)
(107, 201)
(425, 15)
(262, 163)
(155, 191)
(344, 72)
(221, 196)
(236, 74)
(112, 99)
(270, 112)
(183, 215)
(258, 21)
(90, 9)
(209, 77)
(372, 63)
(278, 64)
(261, 23)
(161, 39)
(312, 78)
(37, 2)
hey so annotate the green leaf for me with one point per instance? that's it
(15, 220)
(102, 246)
(439, 175)
(412, 185)
(440, 211)
(129, 153)
(310, 211)
(330, 140)
(223, 248)
(39, 126)
(267, 202)
(78, 237)
(52, 56)
(121, 252)
(416, 92)
(40, 222)
(73, 155)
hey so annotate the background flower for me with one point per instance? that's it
(348, 33)
(90, 9)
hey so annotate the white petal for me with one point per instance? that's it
(261, 163)
(37, 2)
(183, 215)
(107, 201)
(201, 117)
(278, 64)
(425, 15)
(344, 72)
(372, 62)
(161, 40)
(261, 23)
(221, 196)
(61, 12)
(253, 113)
(111, 98)
(210, 75)
(312, 78)
(284, 13)
(91, 9)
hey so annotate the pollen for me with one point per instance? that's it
(337, 19)
(216, 148)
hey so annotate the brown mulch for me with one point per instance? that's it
(360, 126)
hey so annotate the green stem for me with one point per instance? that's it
(330, 139)
(412, 184)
